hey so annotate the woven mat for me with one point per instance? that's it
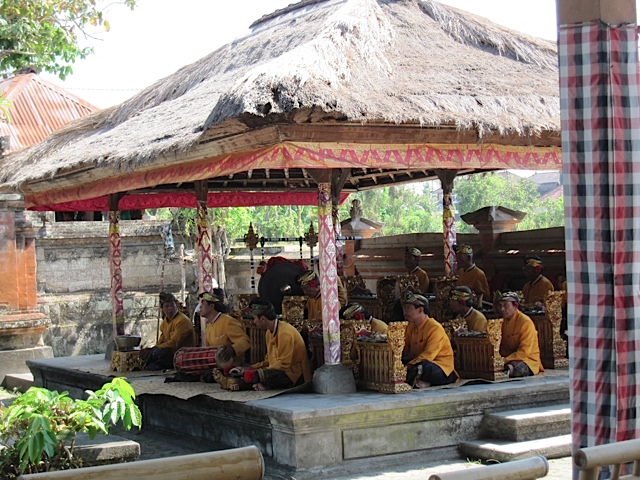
(103, 368)
(480, 381)
(186, 390)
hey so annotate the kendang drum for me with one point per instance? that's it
(195, 360)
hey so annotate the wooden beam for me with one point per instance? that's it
(613, 12)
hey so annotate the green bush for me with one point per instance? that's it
(37, 432)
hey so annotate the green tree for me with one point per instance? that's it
(402, 209)
(547, 213)
(43, 34)
(481, 190)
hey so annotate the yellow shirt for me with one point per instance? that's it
(177, 333)
(536, 291)
(475, 279)
(476, 320)
(520, 342)
(429, 341)
(379, 326)
(423, 279)
(227, 330)
(286, 352)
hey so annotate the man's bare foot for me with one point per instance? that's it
(259, 387)
(421, 384)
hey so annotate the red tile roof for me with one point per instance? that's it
(39, 108)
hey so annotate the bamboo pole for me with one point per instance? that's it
(527, 469)
(246, 463)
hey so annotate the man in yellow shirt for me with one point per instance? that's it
(469, 274)
(176, 331)
(538, 285)
(411, 263)
(355, 311)
(286, 363)
(223, 331)
(427, 353)
(461, 303)
(519, 345)
(310, 284)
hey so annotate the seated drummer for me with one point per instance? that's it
(538, 285)
(310, 284)
(469, 275)
(519, 344)
(355, 311)
(461, 303)
(411, 263)
(286, 363)
(176, 331)
(223, 330)
(427, 353)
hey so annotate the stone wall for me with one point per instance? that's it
(74, 257)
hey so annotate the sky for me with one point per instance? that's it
(161, 36)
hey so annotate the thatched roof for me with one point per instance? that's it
(309, 83)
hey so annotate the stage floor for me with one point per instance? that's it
(307, 431)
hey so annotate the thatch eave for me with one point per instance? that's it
(337, 72)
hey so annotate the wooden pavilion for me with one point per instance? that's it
(321, 98)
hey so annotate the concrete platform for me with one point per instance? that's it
(307, 431)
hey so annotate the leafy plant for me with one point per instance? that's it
(38, 430)
(45, 34)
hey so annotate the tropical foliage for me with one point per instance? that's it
(44, 34)
(38, 430)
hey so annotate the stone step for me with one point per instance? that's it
(19, 381)
(505, 451)
(527, 424)
(105, 450)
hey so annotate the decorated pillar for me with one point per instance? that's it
(448, 219)
(203, 240)
(115, 266)
(328, 276)
(600, 112)
(338, 178)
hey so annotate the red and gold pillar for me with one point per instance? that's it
(115, 266)
(448, 220)
(203, 240)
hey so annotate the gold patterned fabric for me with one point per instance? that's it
(520, 342)
(429, 341)
(463, 249)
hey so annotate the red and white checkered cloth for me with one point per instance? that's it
(601, 165)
